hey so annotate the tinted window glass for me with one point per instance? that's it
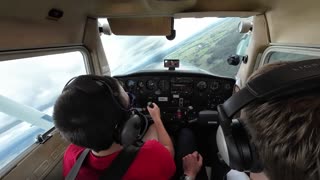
(29, 88)
(286, 56)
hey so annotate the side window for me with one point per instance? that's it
(29, 88)
(285, 56)
(278, 55)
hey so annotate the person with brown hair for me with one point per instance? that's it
(286, 133)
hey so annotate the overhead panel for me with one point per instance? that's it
(26, 24)
(295, 22)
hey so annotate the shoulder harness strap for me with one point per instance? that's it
(76, 167)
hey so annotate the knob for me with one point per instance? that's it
(234, 60)
(150, 105)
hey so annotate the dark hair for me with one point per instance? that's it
(286, 133)
(89, 119)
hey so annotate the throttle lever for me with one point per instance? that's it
(206, 118)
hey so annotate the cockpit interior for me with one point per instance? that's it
(187, 56)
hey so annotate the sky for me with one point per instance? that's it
(121, 51)
(35, 82)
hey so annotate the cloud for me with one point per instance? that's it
(35, 82)
(32, 81)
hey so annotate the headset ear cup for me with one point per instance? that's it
(131, 130)
(222, 146)
(256, 165)
(144, 124)
(235, 148)
(230, 151)
(252, 158)
(242, 142)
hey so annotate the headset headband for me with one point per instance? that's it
(283, 81)
(89, 84)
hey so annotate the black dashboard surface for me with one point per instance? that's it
(179, 95)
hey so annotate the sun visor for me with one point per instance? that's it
(150, 26)
(283, 81)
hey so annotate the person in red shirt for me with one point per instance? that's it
(87, 116)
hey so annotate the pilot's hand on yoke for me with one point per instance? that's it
(192, 164)
(154, 112)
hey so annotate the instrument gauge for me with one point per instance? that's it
(202, 85)
(215, 85)
(227, 86)
(141, 84)
(131, 84)
(151, 84)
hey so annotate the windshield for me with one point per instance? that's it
(201, 44)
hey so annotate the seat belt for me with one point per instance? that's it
(76, 167)
(116, 170)
(121, 163)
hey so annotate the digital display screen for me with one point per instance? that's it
(171, 63)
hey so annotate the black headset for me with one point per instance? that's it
(135, 124)
(232, 138)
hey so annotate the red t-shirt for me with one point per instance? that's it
(153, 161)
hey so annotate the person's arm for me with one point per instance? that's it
(151, 134)
(163, 135)
(191, 165)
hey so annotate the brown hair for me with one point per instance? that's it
(286, 133)
(90, 119)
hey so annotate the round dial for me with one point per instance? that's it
(130, 84)
(202, 85)
(215, 85)
(141, 84)
(227, 86)
(151, 84)
(164, 85)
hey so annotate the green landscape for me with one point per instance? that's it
(210, 49)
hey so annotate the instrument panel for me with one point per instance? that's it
(179, 95)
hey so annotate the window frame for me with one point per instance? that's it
(20, 54)
(265, 59)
